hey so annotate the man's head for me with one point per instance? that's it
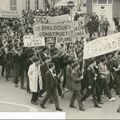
(36, 60)
(76, 65)
(51, 66)
(105, 18)
(102, 18)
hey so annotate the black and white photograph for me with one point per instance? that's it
(60, 56)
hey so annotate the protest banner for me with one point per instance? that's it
(102, 46)
(48, 19)
(30, 41)
(63, 39)
(79, 29)
(53, 30)
(9, 14)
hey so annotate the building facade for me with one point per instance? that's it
(19, 5)
(106, 8)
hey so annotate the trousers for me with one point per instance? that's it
(52, 92)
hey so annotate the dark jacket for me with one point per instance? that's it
(76, 83)
(68, 76)
(51, 82)
(90, 75)
(90, 26)
(43, 68)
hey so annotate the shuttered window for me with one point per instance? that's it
(27, 4)
(94, 1)
(102, 1)
(13, 5)
(36, 4)
(110, 1)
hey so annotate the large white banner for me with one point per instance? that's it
(9, 14)
(48, 19)
(30, 41)
(102, 46)
(53, 30)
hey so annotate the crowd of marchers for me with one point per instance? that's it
(50, 73)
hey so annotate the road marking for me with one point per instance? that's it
(31, 109)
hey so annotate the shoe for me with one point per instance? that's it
(82, 108)
(16, 85)
(118, 110)
(112, 99)
(33, 102)
(100, 102)
(72, 106)
(52, 102)
(62, 96)
(40, 96)
(23, 88)
(59, 109)
(97, 106)
(42, 106)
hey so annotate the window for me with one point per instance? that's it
(27, 4)
(110, 1)
(36, 4)
(94, 1)
(102, 1)
(13, 5)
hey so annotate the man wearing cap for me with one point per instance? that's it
(76, 86)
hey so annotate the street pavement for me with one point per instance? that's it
(14, 99)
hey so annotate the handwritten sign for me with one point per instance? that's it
(102, 46)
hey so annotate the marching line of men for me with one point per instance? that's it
(45, 73)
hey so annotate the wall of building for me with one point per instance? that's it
(104, 10)
(89, 7)
(116, 8)
(21, 4)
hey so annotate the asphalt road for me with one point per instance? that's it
(17, 100)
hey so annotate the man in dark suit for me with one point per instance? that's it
(51, 87)
(44, 68)
(91, 77)
(9, 63)
(76, 87)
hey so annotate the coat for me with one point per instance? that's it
(51, 82)
(35, 79)
(68, 76)
(90, 75)
(44, 68)
(76, 80)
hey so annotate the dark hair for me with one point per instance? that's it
(90, 61)
(35, 59)
(102, 59)
(76, 63)
(50, 65)
(119, 53)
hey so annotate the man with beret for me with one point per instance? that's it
(76, 86)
